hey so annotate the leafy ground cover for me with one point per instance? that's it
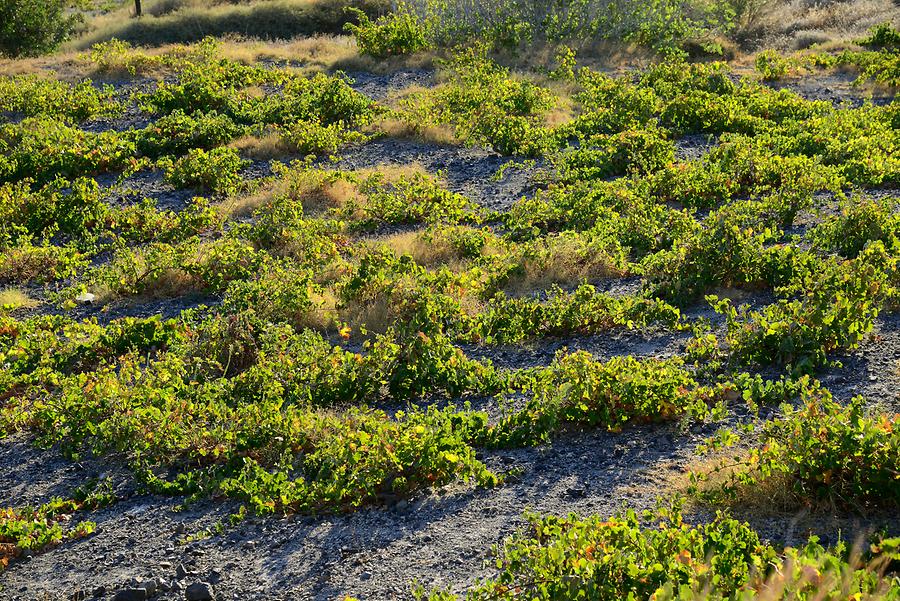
(334, 350)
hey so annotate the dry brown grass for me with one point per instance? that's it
(187, 21)
(315, 190)
(244, 205)
(561, 260)
(375, 316)
(169, 282)
(379, 312)
(428, 251)
(264, 147)
(14, 298)
(315, 53)
(799, 23)
(23, 66)
(318, 197)
(66, 66)
(401, 129)
(781, 584)
(323, 316)
(435, 248)
(304, 55)
(318, 191)
(597, 54)
(770, 496)
(562, 113)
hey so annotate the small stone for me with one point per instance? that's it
(99, 591)
(131, 594)
(576, 492)
(182, 572)
(402, 505)
(215, 577)
(85, 298)
(150, 587)
(365, 576)
(199, 591)
(165, 564)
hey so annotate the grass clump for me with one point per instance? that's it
(12, 299)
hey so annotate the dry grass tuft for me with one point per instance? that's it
(244, 205)
(404, 130)
(427, 251)
(442, 247)
(315, 53)
(561, 114)
(315, 190)
(14, 298)
(798, 24)
(67, 66)
(771, 496)
(263, 147)
(561, 260)
(318, 199)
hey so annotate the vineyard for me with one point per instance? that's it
(370, 317)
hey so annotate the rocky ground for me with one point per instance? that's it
(148, 546)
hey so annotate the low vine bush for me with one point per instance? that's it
(819, 455)
(657, 555)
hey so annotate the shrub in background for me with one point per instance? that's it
(33, 27)
(399, 32)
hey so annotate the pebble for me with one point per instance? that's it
(199, 591)
(182, 572)
(131, 594)
(149, 586)
(576, 492)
